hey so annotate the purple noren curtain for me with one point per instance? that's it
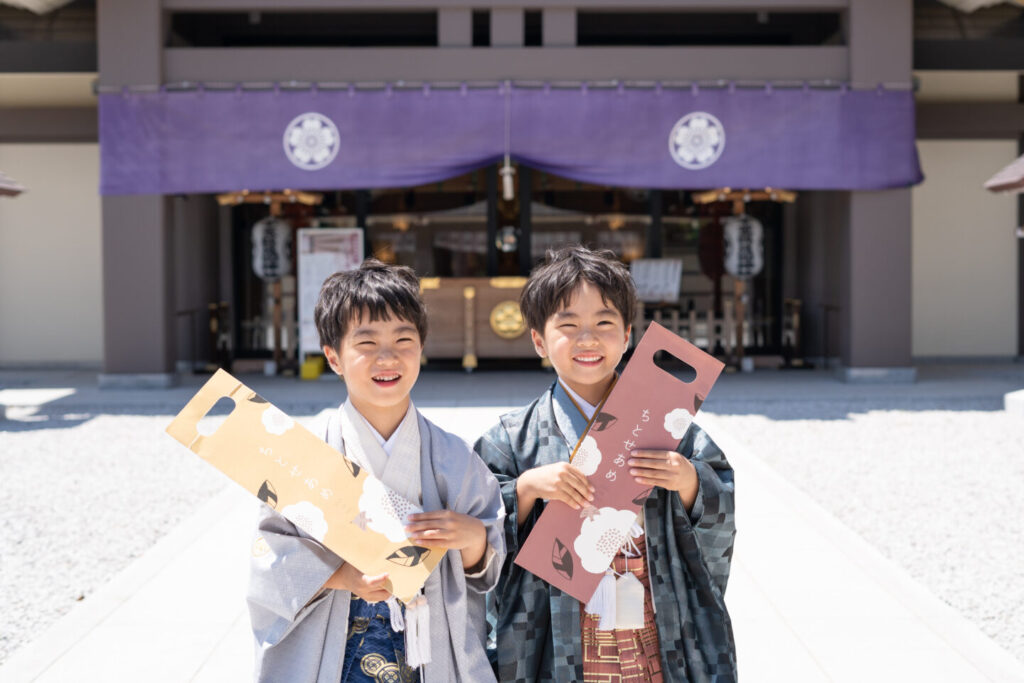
(799, 139)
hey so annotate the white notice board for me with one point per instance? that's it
(657, 280)
(322, 253)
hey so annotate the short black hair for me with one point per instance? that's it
(381, 290)
(552, 284)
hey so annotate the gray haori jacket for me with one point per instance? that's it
(301, 628)
(538, 626)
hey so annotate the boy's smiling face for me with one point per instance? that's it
(584, 341)
(380, 362)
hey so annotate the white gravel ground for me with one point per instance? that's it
(937, 491)
(82, 499)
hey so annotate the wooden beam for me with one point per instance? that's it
(528, 63)
(49, 124)
(36, 56)
(989, 54)
(970, 120)
(322, 5)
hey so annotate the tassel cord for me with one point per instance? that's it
(417, 631)
(602, 603)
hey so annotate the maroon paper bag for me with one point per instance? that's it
(647, 408)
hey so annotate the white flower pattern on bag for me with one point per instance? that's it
(307, 517)
(601, 536)
(275, 421)
(385, 511)
(588, 456)
(677, 422)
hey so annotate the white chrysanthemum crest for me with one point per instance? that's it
(697, 140)
(311, 141)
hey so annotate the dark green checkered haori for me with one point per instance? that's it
(538, 626)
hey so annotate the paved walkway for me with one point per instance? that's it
(810, 600)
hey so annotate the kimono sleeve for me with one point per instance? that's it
(480, 497)
(713, 520)
(495, 449)
(287, 573)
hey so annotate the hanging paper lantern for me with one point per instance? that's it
(744, 246)
(271, 248)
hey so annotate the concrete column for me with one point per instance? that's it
(138, 292)
(507, 27)
(454, 27)
(196, 277)
(875, 292)
(559, 27)
(823, 222)
(138, 273)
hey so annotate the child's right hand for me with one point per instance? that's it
(369, 588)
(558, 481)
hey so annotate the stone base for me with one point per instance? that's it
(877, 375)
(1013, 403)
(137, 380)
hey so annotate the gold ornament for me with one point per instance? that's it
(507, 320)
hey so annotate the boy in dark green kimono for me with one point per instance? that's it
(577, 306)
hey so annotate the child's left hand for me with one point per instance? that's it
(666, 469)
(451, 530)
(445, 529)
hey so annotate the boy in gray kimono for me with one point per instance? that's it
(578, 306)
(319, 619)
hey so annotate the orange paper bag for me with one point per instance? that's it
(310, 483)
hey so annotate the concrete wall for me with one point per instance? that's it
(51, 310)
(964, 252)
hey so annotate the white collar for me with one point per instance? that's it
(587, 408)
(389, 443)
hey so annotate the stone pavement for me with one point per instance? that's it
(810, 600)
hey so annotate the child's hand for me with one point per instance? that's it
(452, 530)
(369, 588)
(666, 469)
(446, 529)
(558, 481)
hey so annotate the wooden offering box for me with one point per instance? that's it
(474, 318)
